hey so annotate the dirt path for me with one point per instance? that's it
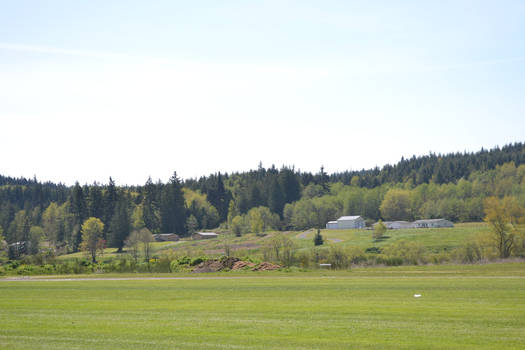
(303, 235)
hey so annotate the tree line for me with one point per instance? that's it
(453, 186)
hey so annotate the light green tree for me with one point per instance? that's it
(137, 217)
(232, 212)
(256, 221)
(36, 234)
(192, 224)
(237, 225)
(503, 217)
(396, 205)
(139, 243)
(3, 244)
(379, 230)
(92, 241)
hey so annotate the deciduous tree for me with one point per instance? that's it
(92, 241)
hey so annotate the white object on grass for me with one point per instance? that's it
(417, 295)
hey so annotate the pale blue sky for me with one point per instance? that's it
(209, 86)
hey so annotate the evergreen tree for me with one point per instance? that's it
(290, 185)
(120, 225)
(95, 202)
(110, 202)
(79, 212)
(173, 211)
(151, 207)
(318, 238)
(276, 198)
(219, 197)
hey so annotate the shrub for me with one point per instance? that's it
(356, 255)
(196, 261)
(373, 250)
(338, 258)
(408, 252)
(184, 260)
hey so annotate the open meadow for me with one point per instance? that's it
(433, 240)
(461, 307)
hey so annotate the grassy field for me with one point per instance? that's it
(433, 239)
(462, 307)
(249, 244)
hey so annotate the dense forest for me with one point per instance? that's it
(452, 186)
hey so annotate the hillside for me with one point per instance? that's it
(452, 186)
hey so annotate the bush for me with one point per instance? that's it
(478, 249)
(408, 252)
(356, 255)
(184, 260)
(196, 261)
(373, 250)
(338, 258)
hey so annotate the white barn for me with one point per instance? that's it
(346, 222)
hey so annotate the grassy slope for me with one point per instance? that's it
(433, 239)
(463, 307)
(248, 244)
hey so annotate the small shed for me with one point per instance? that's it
(204, 235)
(432, 223)
(166, 237)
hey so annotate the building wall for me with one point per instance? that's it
(345, 224)
(331, 225)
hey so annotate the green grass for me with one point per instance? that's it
(249, 244)
(462, 307)
(433, 239)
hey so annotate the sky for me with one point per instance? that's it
(132, 89)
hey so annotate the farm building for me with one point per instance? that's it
(204, 235)
(331, 225)
(432, 223)
(427, 223)
(396, 225)
(166, 237)
(346, 222)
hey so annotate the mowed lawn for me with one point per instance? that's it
(462, 307)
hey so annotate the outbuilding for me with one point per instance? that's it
(166, 237)
(396, 225)
(432, 223)
(346, 222)
(204, 235)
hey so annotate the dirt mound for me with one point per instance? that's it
(239, 265)
(215, 265)
(266, 266)
(232, 264)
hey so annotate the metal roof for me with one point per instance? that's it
(349, 217)
(207, 233)
(429, 220)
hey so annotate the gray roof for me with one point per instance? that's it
(332, 222)
(429, 220)
(207, 233)
(349, 217)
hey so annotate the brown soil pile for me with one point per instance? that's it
(239, 265)
(215, 265)
(266, 266)
(232, 264)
